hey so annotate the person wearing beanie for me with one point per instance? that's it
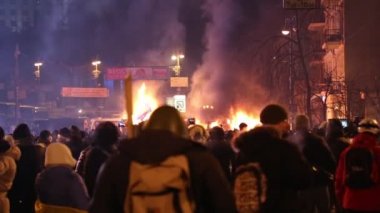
(363, 199)
(283, 164)
(22, 195)
(8, 156)
(59, 188)
(275, 116)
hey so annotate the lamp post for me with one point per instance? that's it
(37, 72)
(96, 72)
(177, 67)
(288, 31)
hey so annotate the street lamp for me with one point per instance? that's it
(37, 72)
(96, 72)
(288, 29)
(177, 67)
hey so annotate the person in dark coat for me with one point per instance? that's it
(222, 151)
(105, 139)
(335, 137)
(163, 136)
(76, 143)
(320, 158)
(286, 170)
(22, 195)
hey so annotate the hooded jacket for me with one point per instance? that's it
(58, 186)
(359, 199)
(209, 185)
(282, 163)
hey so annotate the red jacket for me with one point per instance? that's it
(359, 199)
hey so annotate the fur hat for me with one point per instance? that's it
(273, 114)
(59, 154)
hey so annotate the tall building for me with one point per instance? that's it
(351, 60)
(362, 54)
(18, 15)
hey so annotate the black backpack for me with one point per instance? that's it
(359, 163)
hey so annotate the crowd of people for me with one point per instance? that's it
(298, 170)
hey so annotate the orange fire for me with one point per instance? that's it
(241, 116)
(236, 117)
(144, 103)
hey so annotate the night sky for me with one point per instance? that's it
(220, 39)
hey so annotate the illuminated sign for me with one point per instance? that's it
(179, 82)
(81, 92)
(180, 102)
(138, 73)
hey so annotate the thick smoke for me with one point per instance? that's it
(208, 78)
(232, 76)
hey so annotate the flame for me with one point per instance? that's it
(241, 116)
(234, 120)
(144, 103)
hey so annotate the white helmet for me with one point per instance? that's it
(368, 125)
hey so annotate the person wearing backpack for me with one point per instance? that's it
(322, 162)
(274, 159)
(162, 171)
(357, 184)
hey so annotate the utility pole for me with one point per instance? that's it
(16, 73)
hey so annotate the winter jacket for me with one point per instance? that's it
(7, 174)
(359, 199)
(317, 154)
(22, 195)
(209, 185)
(282, 163)
(60, 186)
(93, 160)
(224, 154)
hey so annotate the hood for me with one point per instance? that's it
(255, 141)
(155, 146)
(364, 139)
(59, 154)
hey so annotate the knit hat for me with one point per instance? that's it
(59, 154)
(273, 114)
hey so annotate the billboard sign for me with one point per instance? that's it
(179, 82)
(82, 92)
(138, 73)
